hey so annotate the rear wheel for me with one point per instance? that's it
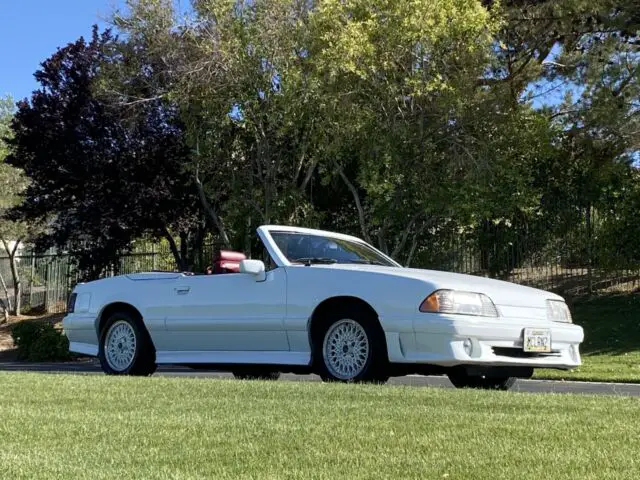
(461, 379)
(125, 347)
(351, 348)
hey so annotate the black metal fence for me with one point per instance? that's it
(572, 263)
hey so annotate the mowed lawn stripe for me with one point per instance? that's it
(67, 426)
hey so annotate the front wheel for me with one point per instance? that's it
(464, 380)
(125, 347)
(350, 348)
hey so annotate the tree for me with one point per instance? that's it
(585, 55)
(12, 233)
(239, 75)
(399, 78)
(416, 125)
(99, 175)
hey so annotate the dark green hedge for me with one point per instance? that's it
(40, 342)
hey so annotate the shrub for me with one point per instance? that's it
(24, 334)
(40, 342)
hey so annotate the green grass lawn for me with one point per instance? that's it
(94, 427)
(611, 349)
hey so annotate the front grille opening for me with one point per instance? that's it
(519, 353)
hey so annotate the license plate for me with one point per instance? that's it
(537, 340)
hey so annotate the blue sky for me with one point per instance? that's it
(31, 30)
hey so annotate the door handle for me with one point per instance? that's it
(182, 290)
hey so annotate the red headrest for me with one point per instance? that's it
(228, 261)
(230, 256)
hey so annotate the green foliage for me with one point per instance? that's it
(119, 179)
(621, 230)
(417, 125)
(12, 180)
(40, 342)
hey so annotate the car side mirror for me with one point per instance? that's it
(255, 268)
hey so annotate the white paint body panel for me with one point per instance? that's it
(232, 318)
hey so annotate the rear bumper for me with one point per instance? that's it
(440, 341)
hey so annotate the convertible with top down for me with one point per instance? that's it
(324, 303)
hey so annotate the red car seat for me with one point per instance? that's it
(227, 261)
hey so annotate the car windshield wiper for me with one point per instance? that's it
(311, 260)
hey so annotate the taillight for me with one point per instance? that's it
(71, 304)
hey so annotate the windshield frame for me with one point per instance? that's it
(264, 232)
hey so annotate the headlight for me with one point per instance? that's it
(463, 303)
(558, 311)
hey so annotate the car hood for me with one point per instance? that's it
(501, 292)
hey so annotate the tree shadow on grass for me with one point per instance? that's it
(611, 324)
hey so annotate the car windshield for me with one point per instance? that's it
(312, 248)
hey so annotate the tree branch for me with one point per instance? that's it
(563, 112)
(15, 247)
(212, 213)
(382, 242)
(307, 177)
(17, 284)
(414, 244)
(356, 199)
(624, 83)
(6, 292)
(405, 235)
(5, 244)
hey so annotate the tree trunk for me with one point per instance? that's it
(356, 199)
(174, 250)
(213, 215)
(6, 306)
(414, 242)
(247, 238)
(4, 311)
(184, 251)
(17, 298)
(17, 283)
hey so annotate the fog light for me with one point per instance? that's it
(468, 346)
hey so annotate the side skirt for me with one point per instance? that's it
(234, 357)
(84, 348)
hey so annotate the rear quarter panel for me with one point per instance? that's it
(144, 296)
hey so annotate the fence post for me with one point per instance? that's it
(31, 279)
(47, 284)
(67, 282)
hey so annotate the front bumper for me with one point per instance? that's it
(80, 329)
(439, 340)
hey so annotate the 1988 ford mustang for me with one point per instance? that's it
(326, 303)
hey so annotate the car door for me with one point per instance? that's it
(228, 312)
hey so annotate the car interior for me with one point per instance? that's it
(226, 261)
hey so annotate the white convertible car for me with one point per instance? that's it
(325, 303)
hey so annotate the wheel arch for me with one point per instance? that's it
(118, 306)
(332, 303)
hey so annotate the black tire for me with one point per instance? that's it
(256, 374)
(376, 364)
(463, 380)
(143, 362)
